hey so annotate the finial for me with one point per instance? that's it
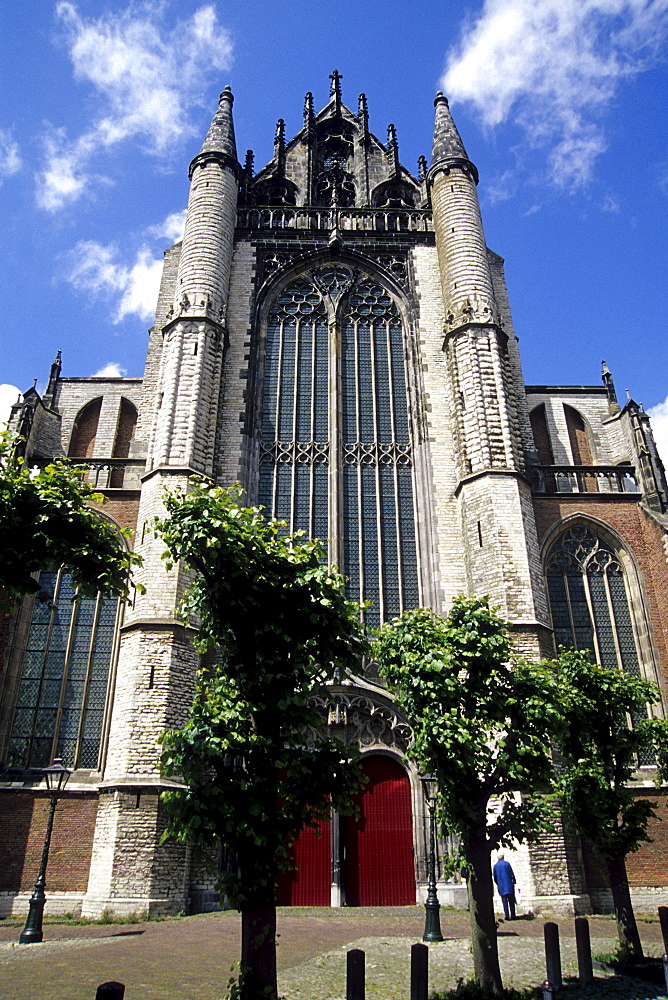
(335, 88)
(226, 95)
(422, 168)
(441, 98)
(249, 164)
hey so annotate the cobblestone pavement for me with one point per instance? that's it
(190, 958)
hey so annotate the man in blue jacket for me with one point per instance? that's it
(505, 883)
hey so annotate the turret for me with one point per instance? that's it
(194, 337)
(462, 251)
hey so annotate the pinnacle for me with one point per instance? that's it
(220, 137)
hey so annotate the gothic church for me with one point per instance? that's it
(334, 333)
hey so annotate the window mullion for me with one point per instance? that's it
(63, 681)
(86, 684)
(590, 606)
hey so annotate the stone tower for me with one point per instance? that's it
(334, 333)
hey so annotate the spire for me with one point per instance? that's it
(54, 375)
(448, 146)
(220, 142)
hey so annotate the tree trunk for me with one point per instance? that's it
(258, 951)
(481, 912)
(627, 929)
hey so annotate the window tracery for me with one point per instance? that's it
(337, 463)
(63, 688)
(590, 600)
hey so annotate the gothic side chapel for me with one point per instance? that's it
(334, 333)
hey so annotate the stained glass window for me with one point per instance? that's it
(63, 689)
(335, 448)
(589, 599)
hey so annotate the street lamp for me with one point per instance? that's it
(56, 778)
(432, 922)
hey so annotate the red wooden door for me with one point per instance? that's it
(378, 865)
(310, 884)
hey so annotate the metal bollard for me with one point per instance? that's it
(355, 974)
(552, 954)
(419, 972)
(583, 945)
(664, 960)
(110, 991)
(663, 920)
(548, 990)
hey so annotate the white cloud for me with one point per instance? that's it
(10, 158)
(171, 228)
(8, 396)
(96, 269)
(551, 67)
(659, 417)
(112, 370)
(148, 77)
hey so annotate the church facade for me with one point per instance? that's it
(333, 333)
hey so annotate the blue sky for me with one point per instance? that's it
(561, 104)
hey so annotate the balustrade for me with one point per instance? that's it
(347, 219)
(584, 479)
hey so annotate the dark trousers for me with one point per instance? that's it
(508, 905)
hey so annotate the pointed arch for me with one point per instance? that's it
(84, 431)
(333, 424)
(579, 436)
(596, 596)
(61, 675)
(541, 434)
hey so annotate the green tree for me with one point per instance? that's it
(254, 760)
(46, 521)
(482, 726)
(602, 752)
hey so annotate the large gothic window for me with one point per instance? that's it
(63, 687)
(335, 449)
(589, 599)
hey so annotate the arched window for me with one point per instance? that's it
(64, 680)
(589, 599)
(335, 441)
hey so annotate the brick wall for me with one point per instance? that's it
(23, 818)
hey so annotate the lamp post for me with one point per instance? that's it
(432, 922)
(56, 778)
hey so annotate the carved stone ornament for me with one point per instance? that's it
(360, 720)
(471, 311)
